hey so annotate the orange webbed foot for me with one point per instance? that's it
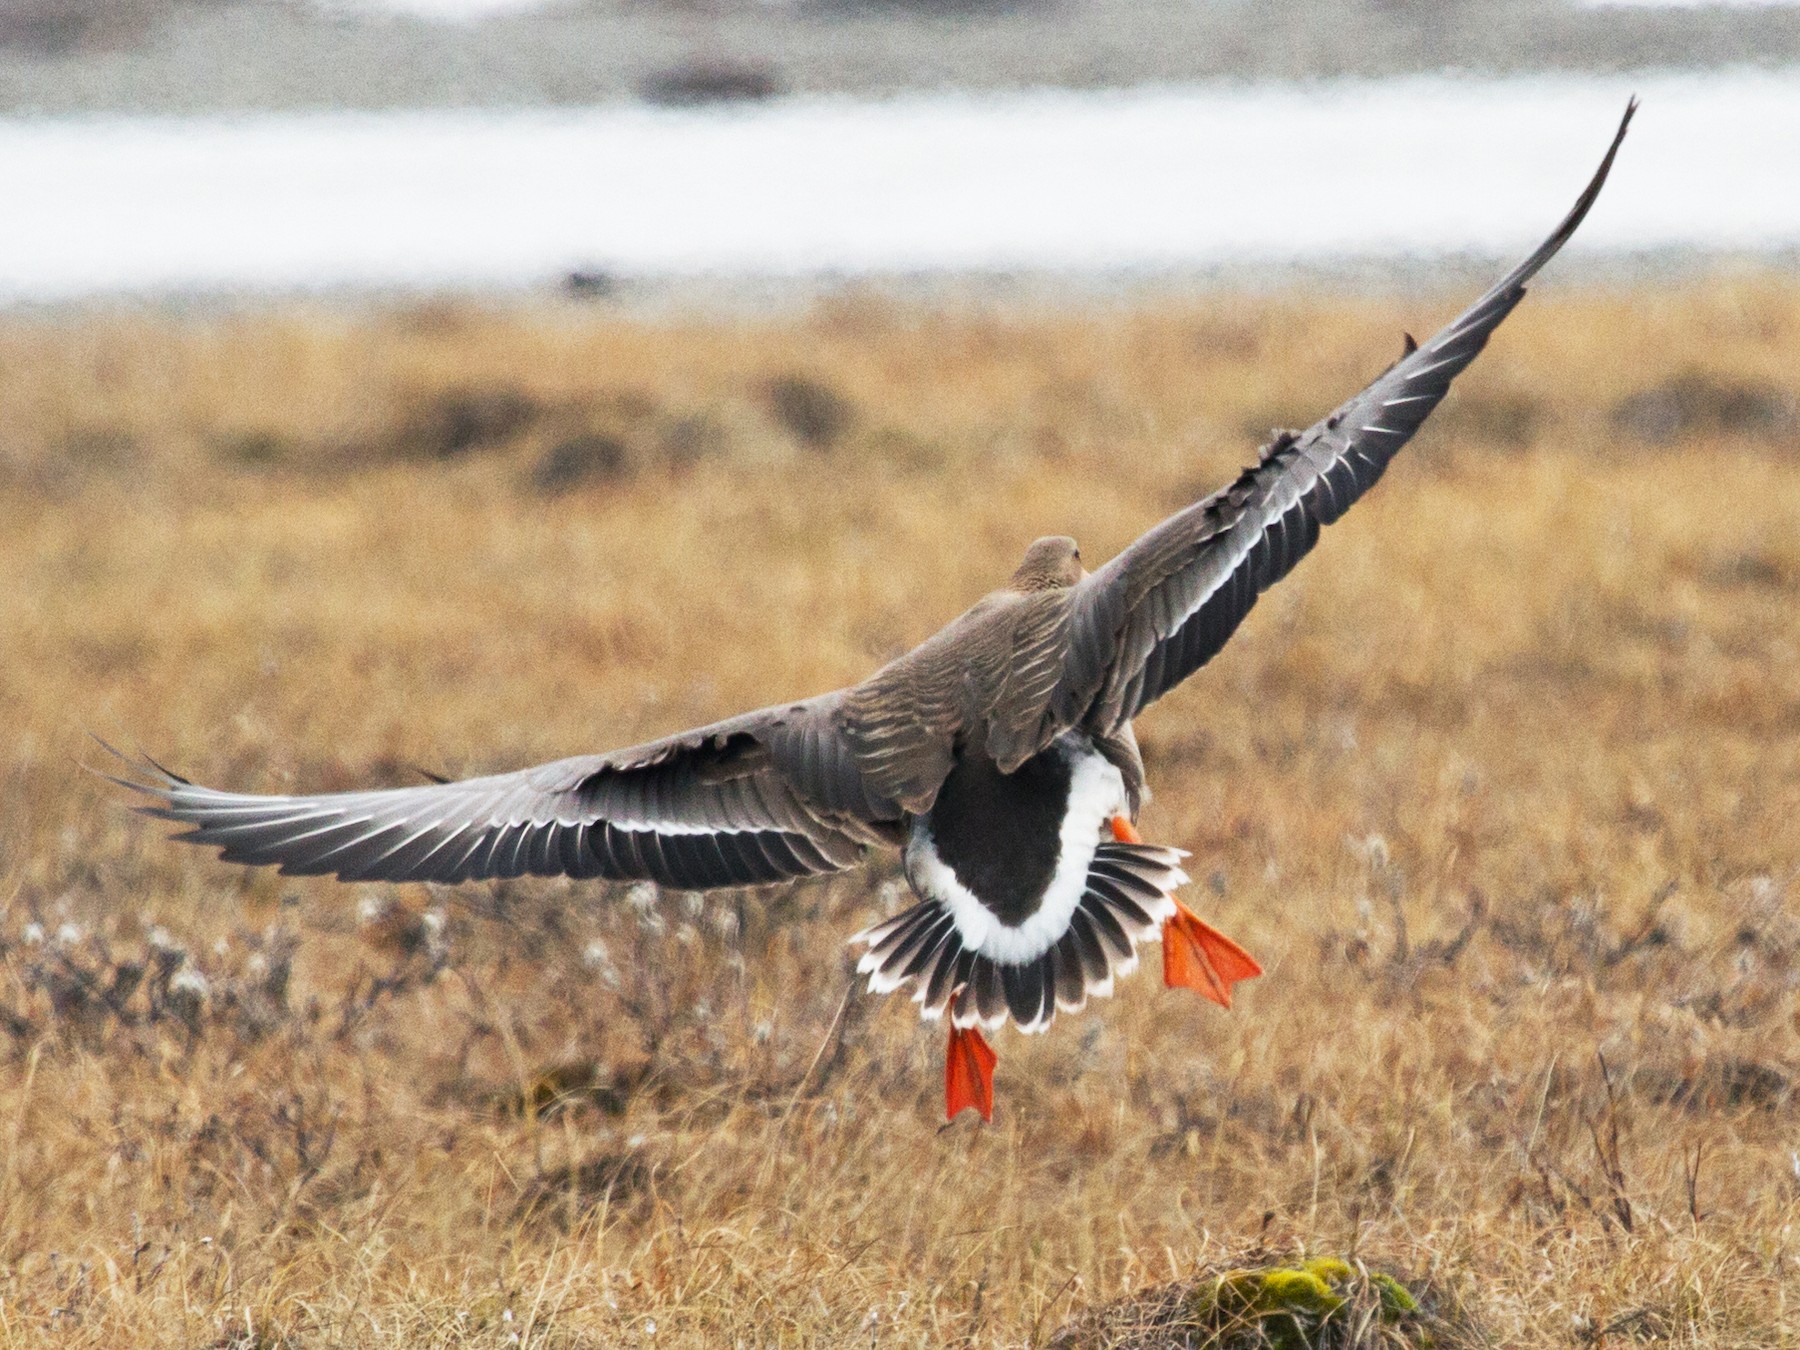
(969, 1073)
(1124, 831)
(1198, 956)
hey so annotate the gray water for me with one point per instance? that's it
(209, 56)
(1168, 179)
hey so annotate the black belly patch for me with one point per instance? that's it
(1001, 833)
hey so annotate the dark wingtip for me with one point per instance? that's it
(142, 763)
(1411, 345)
(1591, 193)
(168, 775)
(1514, 281)
(110, 749)
(124, 759)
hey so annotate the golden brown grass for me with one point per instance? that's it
(1501, 786)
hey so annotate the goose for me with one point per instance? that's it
(997, 756)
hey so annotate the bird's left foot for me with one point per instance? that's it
(969, 1073)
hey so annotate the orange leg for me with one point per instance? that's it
(969, 1073)
(1198, 956)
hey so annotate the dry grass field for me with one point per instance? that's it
(1501, 786)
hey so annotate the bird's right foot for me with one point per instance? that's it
(1198, 956)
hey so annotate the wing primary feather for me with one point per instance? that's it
(622, 846)
(678, 859)
(1166, 605)
(571, 850)
(454, 866)
(718, 859)
(649, 848)
(313, 855)
(543, 856)
(755, 865)
(781, 854)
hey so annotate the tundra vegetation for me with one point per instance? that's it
(1501, 786)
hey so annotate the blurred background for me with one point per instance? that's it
(444, 386)
(219, 145)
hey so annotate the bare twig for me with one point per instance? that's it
(1037, 1325)
(1690, 1166)
(1606, 1149)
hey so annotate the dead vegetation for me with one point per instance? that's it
(1324, 1303)
(1500, 788)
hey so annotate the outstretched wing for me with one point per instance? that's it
(763, 797)
(1161, 609)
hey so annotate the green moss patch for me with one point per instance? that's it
(1325, 1303)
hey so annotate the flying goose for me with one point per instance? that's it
(998, 755)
